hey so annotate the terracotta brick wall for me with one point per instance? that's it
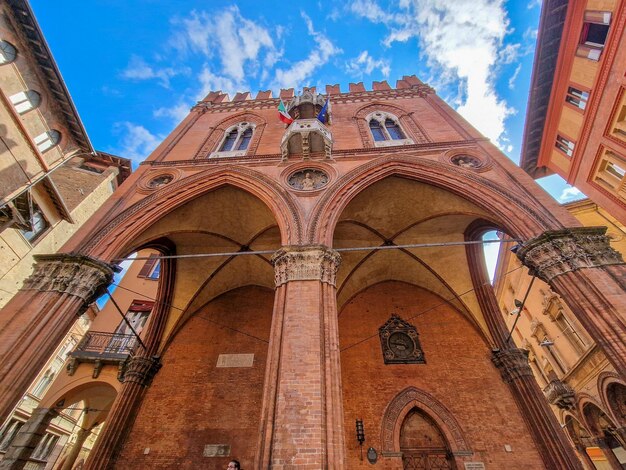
(192, 403)
(458, 373)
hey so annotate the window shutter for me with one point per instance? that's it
(147, 267)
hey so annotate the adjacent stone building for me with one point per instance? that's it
(574, 373)
(576, 117)
(322, 299)
(51, 179)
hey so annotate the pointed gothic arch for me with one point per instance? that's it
(411, 398)
(113, 237)
(409, 125)
(216, 134)
(521, 217)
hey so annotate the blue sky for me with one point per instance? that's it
(135, 67)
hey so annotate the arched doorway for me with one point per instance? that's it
(422, 444)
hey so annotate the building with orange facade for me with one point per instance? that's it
(51, 178)
(575, 375)
(322, 299)
(576, 117)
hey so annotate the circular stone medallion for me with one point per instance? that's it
(159, 181)
(466, 161)
(308, 179)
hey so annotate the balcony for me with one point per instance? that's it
(102, 348)
(560, 394)
(305, 137)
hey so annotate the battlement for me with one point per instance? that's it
(408, 81)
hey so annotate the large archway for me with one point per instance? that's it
(423, 445)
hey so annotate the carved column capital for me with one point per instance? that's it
(556, 252)
(72, 274)
(306, 263)
(513, 364)
(141, 370)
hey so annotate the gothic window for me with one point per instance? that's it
(24, 101)
(236, 140)
(45, 447)
(8, 433)
(385, 127)
(43, 383)
(8, 53)
(38, 224)
(46, 140)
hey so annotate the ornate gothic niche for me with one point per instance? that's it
(468, 159)
(154, 181)
(400, 342)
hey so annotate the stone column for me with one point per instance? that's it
(37, 318)
(72, 455)
(28, 438)
(590, 276)
(551, 442)
(137, 377)
(302, 411)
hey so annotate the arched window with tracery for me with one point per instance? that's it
(236, 141)
(386, 130)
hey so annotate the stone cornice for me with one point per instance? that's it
(556, 252)
(336, 154)
(72, 274)
(306, 263)
(512, 363)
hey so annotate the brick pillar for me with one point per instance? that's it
(302, 411)
(37, 318)
(72, 455)
(137, 377)
(27, 439)
(551, 442)
(590, 276)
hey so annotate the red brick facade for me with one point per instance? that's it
(296, 192)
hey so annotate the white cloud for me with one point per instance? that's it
(239, 43)
(569, 194)
(461, 40)
(138, 69)
(295, 75)
(514, 77)
(534, 3)
(366, 64)
(509, 53)
(178, 112)
(136, 141)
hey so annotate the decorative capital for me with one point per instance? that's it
(306, 263)
(141, 370)
(560, 394)
(513, 364)
(72, 274)
(556, 252)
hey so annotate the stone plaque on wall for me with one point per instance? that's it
(235, 360)
(216, 450)
(474, 466)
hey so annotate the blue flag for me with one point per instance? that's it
(323, 115)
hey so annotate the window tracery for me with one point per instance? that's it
(386, 130)
(236, 141)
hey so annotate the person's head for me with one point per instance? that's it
(234, 465)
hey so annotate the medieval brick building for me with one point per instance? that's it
(314, 276)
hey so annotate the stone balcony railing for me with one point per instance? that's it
(102, 348)
(305, 137)
(560, 394)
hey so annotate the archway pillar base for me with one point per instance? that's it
(551, 442)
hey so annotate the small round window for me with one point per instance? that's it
(8, 53)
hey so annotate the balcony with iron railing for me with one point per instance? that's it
(102, 348)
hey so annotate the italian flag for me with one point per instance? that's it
(283, 114)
